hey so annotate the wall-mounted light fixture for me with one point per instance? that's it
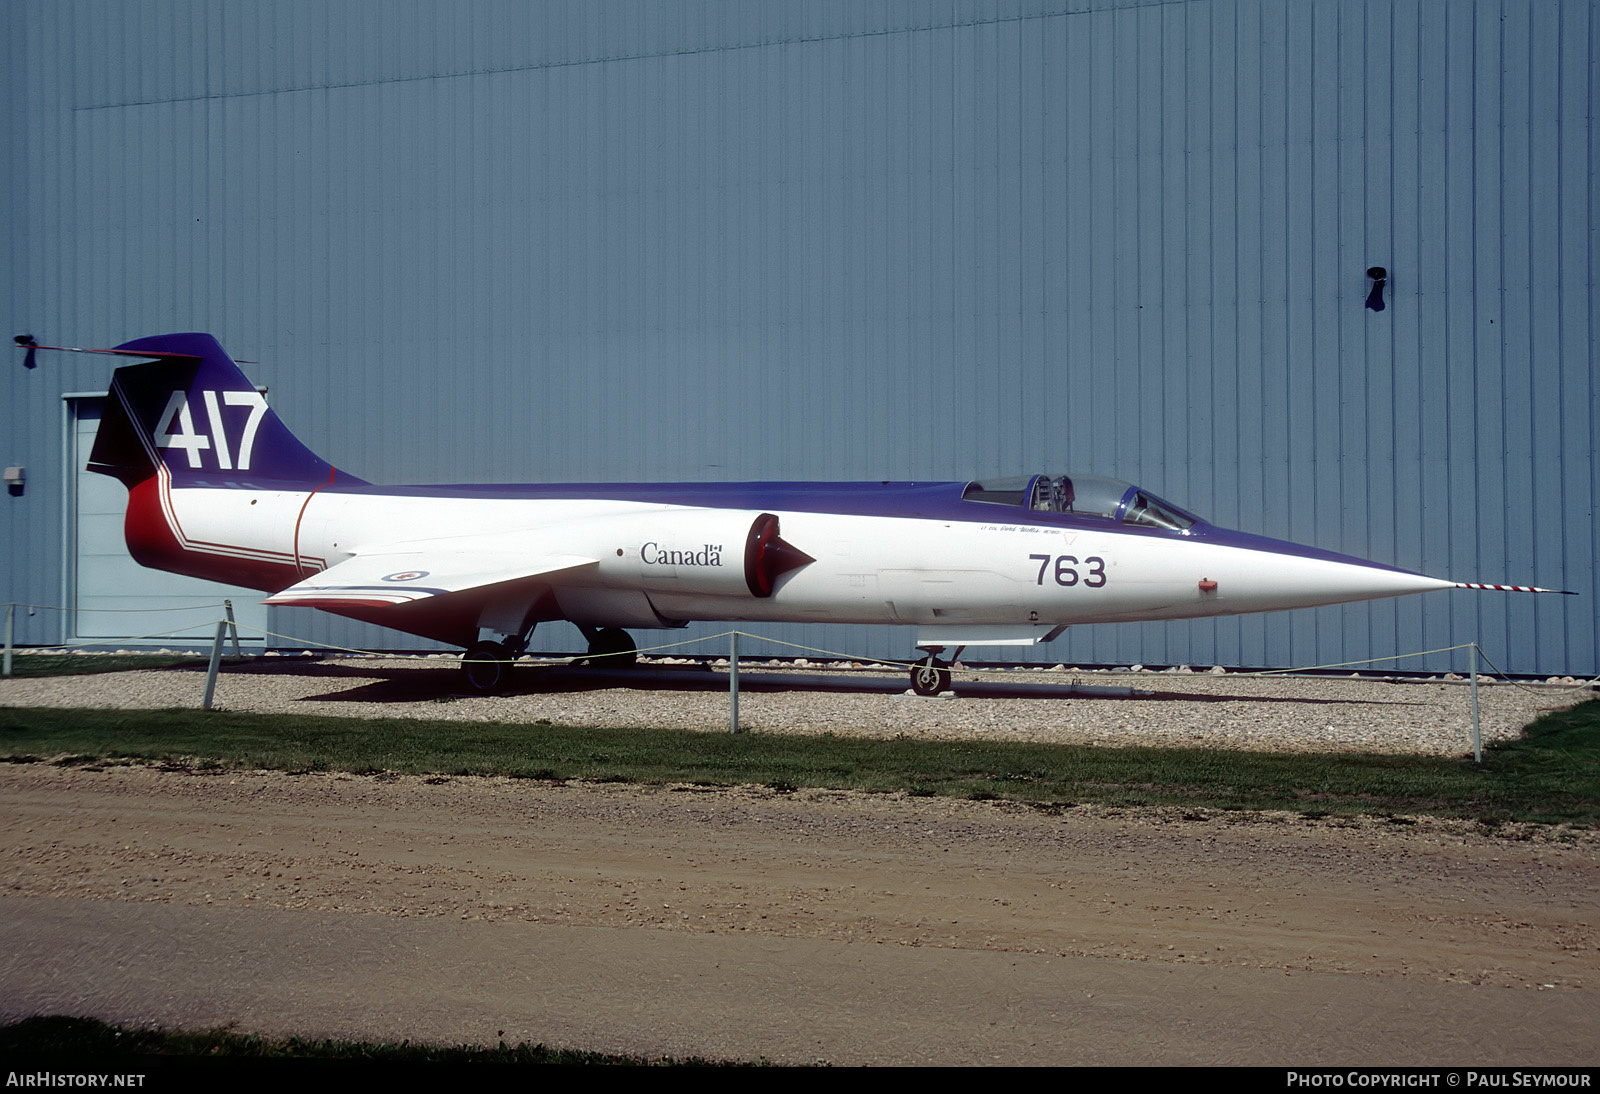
(15, 477)
(1380, 277)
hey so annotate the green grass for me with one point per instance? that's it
(1549, 775)
(1556, 761)
(79, 664)
(56, 1035)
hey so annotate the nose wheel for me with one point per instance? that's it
(930, 677)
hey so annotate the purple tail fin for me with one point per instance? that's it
(192, 411)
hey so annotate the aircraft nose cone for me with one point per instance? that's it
(1269, 581)
(1255, 573)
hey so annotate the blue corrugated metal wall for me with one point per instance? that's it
(655, 240)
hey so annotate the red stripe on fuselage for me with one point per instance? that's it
(300, 568)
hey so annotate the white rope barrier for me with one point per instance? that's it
(840, 655)
(227, 625)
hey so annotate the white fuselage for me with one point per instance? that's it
(662, 565)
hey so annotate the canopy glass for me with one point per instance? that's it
(1084, 496)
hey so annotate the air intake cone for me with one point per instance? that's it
(767, 557)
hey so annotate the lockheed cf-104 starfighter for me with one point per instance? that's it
(219, 488)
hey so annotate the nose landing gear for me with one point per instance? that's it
(932, 676)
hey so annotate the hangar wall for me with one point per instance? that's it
(658, 241)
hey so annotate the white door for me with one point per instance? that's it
(113, 598)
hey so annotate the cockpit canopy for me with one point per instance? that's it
(1083, 496)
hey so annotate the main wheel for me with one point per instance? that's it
(612, 648)
(930, 677)
(485, 668)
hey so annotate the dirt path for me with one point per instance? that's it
(845, 927)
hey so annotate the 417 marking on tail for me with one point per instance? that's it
(177, 427)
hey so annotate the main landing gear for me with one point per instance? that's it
(611, 648)
(486, 667)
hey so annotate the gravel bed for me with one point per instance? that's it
(1118, 707)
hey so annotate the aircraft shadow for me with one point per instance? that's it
(391, 685)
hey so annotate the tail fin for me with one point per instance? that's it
(193, 413)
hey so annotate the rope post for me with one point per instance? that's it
(1477, 736)
(11, 620)
(233, 628)
(216, 659)
(733, 682)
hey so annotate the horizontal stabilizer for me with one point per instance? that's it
(401, 576)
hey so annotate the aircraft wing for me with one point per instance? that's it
(409, 572)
